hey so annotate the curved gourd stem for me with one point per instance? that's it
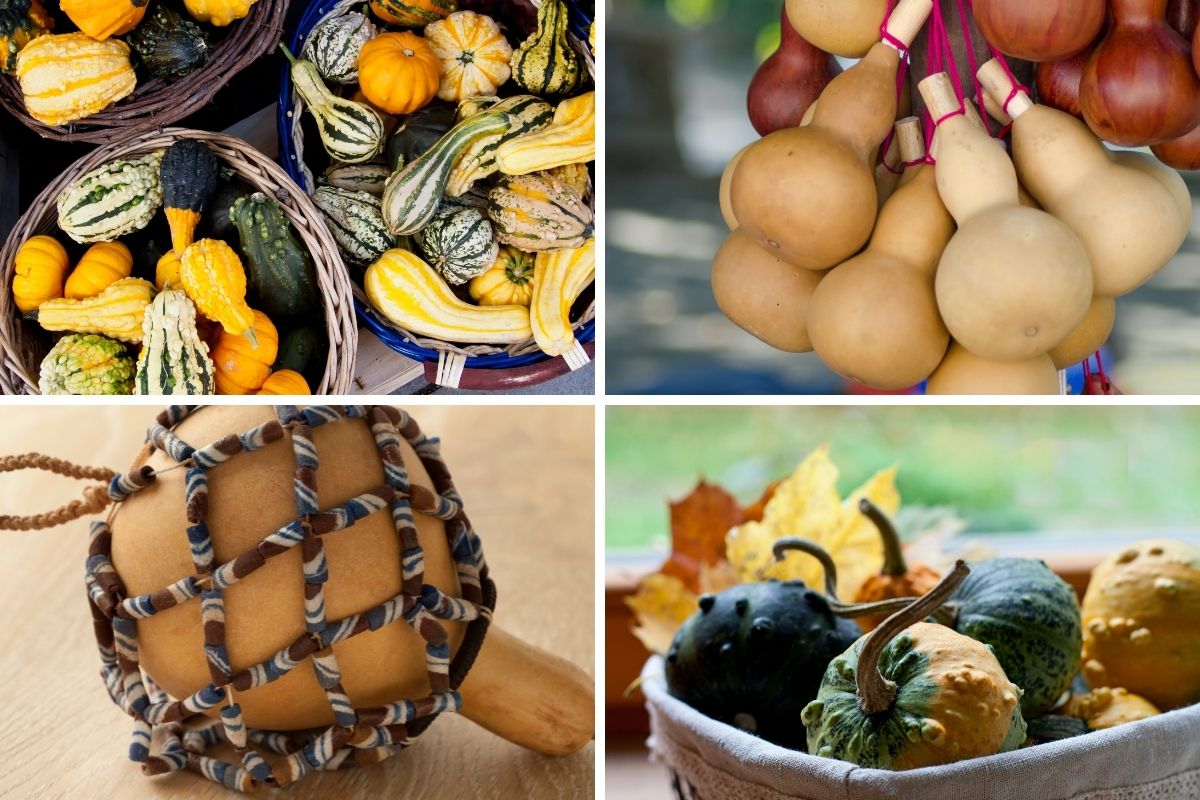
(893, 557)
(876, 693)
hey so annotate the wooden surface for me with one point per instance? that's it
(526, 475)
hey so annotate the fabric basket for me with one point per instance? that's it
(1155, 759)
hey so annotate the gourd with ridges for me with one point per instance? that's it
(569, 139)
(39, 267)
(897, 578)
(536, 212)
(243, 365)
(417, 133)
(218, 12)
(116, 312)
(398, 72)
(507, 282)
(369, 178)
(559, 277)
(412, 195)
(410, 293)
(86, 364)
(103, 264)
(173, 359)
(168, 45)
(188, 175)
(21, 21)
(412, 13)
(70, 76)
(351, 132)
(333, 46)
(285, 381)
(105, 19)
(914, 694)
(1140, 622)
(478, 161)
(215, 280)
(166, 271)
(356, 223)
(545, 64)
(473, 52)
(459, 244)
(112, 200)
(280, 271)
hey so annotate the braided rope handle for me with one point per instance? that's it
(95, 498)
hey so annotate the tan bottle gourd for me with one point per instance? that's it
(1013, 281)
(1089, 336)
(808, 194)
(1125, 218)
(843, 27)
(963, 372)
(886, 180)
(874, 319)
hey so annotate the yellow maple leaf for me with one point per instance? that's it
(660, 606)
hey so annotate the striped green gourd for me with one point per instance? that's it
(536, 212)
(412, 196)
(369, 178)
(355, 222)
(333, 46)
(112, 200)
(545, 64)
(459, 244)
(529, 114)
(351, 132)
(174, 360)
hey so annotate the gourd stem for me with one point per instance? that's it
(893, 557)
(788, 543)
(287, 53)
(876, 693)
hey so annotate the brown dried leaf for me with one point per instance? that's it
(699, 523)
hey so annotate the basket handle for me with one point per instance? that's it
(95, 498)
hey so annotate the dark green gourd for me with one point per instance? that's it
(168, 44)
(278, 268)
(418, 132)
(188, 176)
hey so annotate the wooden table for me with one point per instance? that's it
(527, 477)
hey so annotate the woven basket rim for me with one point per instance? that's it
(157, 102)
(20, 357)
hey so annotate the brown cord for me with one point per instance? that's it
(95, 498)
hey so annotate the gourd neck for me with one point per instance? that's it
(893, 556)
(1138, 13)
(877, 694)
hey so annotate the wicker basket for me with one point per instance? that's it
(474, 366)
(158, 102)
(23, 344)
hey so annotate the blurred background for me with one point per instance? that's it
(676, 86)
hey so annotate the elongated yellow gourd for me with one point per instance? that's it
(569, 139)
(559, 276)
(411, 294)
(117, 312)
(843, 27)
(1123, 216)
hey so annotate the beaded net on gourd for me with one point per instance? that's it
(358, 735)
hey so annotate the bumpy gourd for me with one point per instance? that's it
(545, 64)
(102, 20)
(280, 271)
(480, 160)
(39, 267)
(369, 178)
(459, 243)
(412, 13)
(173, 360)
(334, 45)
(168, 45)
(351, 132)
(21, 21)
(897, 578)
(285, 381)
(1139, 623)
(103, 264)
(188, 175)
(112, 200)
(507, 282)
(70, 76)
(410, 293)
(474, 55)
(214, 279)
(559, 277)
(574, 175)
(398, 72)
(1107, 708)
(86, 364)
(569, 139)
(356, 222)
(218, 12)
(116, 312)
(243, 365)
(536, 212)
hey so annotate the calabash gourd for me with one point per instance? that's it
(1089, 336)
(560, 276)
(570, 138)
(285, 381)
(459, 243)
(1107, 707)
(188, 175)
(278, 267)
(218, 12)
(242, 366)
(215, 280)
(86, 364)
(173, 359)
(1046, 31)
(536, 212)
(474, 55)
(507, 282)
(963, 372)
(168, 45)
(69, 76)
(809, 193)
(789, 80)
(398, 72)
(846, 28)
(351, 132)
(1123, 217)
(21, 22)
(897, 578)
(114, 199)
(334, 45)
(102, 20)
(1139, 618)
(356, 222)
(103, 264)
(38, 270)
(480, 160)
(116, 312)
(546, 64)
(1013, 281)
(913, 694)
(412, 13)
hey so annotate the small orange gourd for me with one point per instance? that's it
(215, 280)
(40, 266)
(166, 271)
(285, 381)
(398, 72)
(102, 265)
(243, 367)
(104, 19)
(897, 578)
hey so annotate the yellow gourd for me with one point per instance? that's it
(215, 280)
(117, 312)
(559, 276)
(408, 292)
(508, 282)
(569, 139)
(1107, 708)
(70, 76)
(285, 381)
(473, 52)
(167, 271)
(398, 72)
(101, 20)
(218, 12)
(843, 27)
(242, 366)
(103, 264)
(39, 268)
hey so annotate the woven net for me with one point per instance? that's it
(358, 735)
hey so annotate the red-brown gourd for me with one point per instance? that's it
(843, 27)
(963, 372)
(1045, 30)
(1125, 218)
(808, 194)
(788, 82)
(1013, 281)
(1181, 153)
(1140, 86)
(1089, 336)
(897, 577)
(874, 319)
(1058, 82)
(1182, 16)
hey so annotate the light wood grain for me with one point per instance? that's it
(526, 475)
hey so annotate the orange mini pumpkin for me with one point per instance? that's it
(242, 367)
(398, 72)
(897, 578)
(285, 381)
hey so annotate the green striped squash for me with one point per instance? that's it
(334, 44)
(369, 178)
(545, 64)
(174, 360)
(536, 212)
(460, 244)
(412, 196)
(112, 200)
(355, 222)
(413, 13)
(351, 132)
(529, 114)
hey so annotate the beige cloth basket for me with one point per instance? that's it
(1155, 759)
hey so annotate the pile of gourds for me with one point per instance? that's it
(468, 211)
(74, 74)
(185, 325)
(982, 269)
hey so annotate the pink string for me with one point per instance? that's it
(1017, 87)
(901, 79)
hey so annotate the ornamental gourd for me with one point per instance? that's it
(114, 199)
(214, 279)
(242, 365)
(102, 20)
(459, 243)
(913, 694)
(1045, 31)
(527, 114)
(334, 45)
(559, 277)
(369, 178)
(1124, 217)
(398, 72)
(356, 222)
(507, 282)
(166, 271)
(1139, 623)
(103, 264)
(168, 45)
(70, 76)
(897, 578)
(536, 212)
(279, 269)
(86, 364)
(1014, 281)
(474, 55)
(412, 13)
(188, 176)
(351, 132)
(173, 359)
(808, 193)
(218, 12)
(21, 21)
(39, 267)
(285, 381)
(545, 64)
(116, 312)
(1107, 708)
(417, 133)
(570, 138)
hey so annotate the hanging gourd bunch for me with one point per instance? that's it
(70, 74)
(166, 311)
(457, 176)
(959, 263)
